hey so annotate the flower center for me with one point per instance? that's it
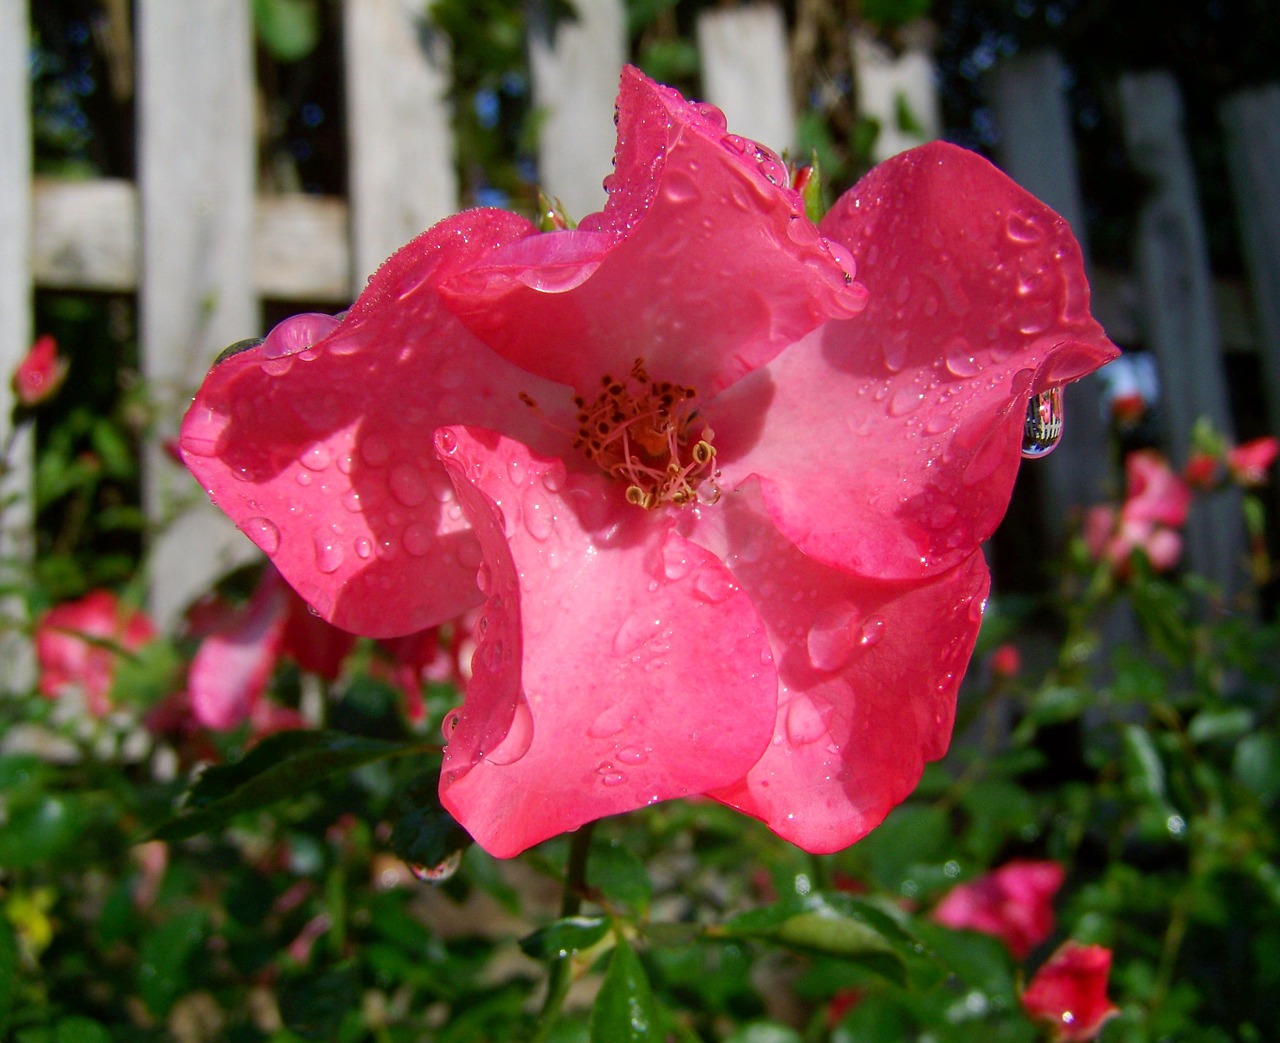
(646, 433)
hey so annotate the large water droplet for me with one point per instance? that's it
(439, 873)
(832, 636)
(635, 630)
(632, 755)
(610, 721)
(329, 552)
(1043, 429)
(804, 722)
(264, 533)
(417, 539)
(316, 458)
(374, 450)
(519, 737)
(538, 516)
(408, 485)
(871, 633)
(680, 188)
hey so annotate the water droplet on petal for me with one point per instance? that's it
(316, 458)
(329, 553)
(804, 722)
(1023, 229)
(833, 636)
(538, 517)
(961, 361)
(408, 485)
(632, 755)
(713, 586)
(519, 737)
(680, 188)
(635, 630)
(676, 561)
(610, 721)
(1043, 429)
(417, 539)
(264, 533)
(871, 632)
(374, 450)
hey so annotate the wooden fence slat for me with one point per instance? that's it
(1037, 150)
(575, 67)
(399, 140)
(745, 71)
(196, 163)
(888, 82)
(16, 668)
(1177, 305)
(1251, 122)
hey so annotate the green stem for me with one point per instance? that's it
(558, 975)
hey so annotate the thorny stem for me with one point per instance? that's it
(558, 975)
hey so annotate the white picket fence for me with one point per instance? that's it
(202, 250)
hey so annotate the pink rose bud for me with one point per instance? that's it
(41, 373)
(1068, 995)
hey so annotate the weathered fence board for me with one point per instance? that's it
(890, 86)
(196, 168)
(1037, 150)
(745, 71)
(1251, 122)
(399, 144)
(1178, 307)
(15, 321)
(575, 67)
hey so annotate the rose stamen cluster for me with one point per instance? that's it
(639, 431)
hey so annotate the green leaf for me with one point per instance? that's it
(620, 875)
(39, 831)
(288, 29)
(831, 924)
(80, 1030)
(765, 1032)
(8, 972)
(163, 958)
(1143, 766)
(282, 765)
(1208, 725)
(565, 937)
(624, 1011)
(1256, 765)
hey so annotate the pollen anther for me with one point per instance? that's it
(640, 430)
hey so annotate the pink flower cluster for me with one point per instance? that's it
(1150, 519)
(1068, 994)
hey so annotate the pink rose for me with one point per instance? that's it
(1155, 508)
(721, 504)
(78, 644)
(1014, 903)
(1068, 995)
(41, 372)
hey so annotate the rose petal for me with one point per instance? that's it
(867, 679)
(888, 444)
(617, 665)
(702, 263)
(232, 666)
(321, 449)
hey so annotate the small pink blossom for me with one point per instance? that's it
(41, 372)
(1155, 509)
(1068, 995)
(1014, 903)
(718, 502)
(78, 645)
(1250, 461)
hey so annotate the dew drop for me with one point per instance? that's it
(804, 723)
(329, 553)
(316, 458)
(417, 539)
(610, 721)
(1023, 229)
(374, 450)
(713, 586)
(635, 630)
(264, 533)
(345, 463)
(681, 188)
(304, 478)
(482, 578)
(351, 501)
(440, 872)
(905, 400)
(538, 517)
(518, 739)
(961, 361)
(408, 485)
(832, 636)
(364, 547)
(676, 561)
(632, 755)
(871, 633)
(1043, 429)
